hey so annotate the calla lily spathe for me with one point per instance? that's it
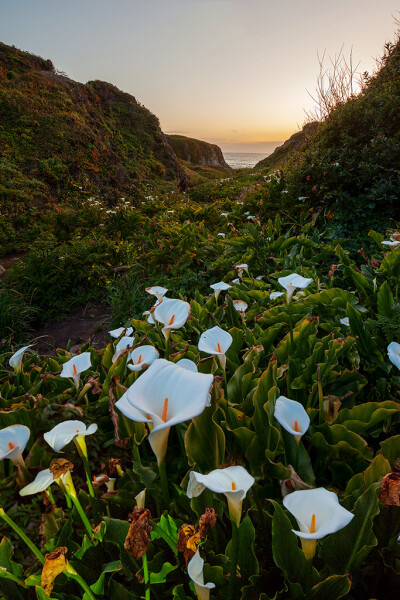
(142, 357)
(345, 321)
(275, 295)
(234, 482)
(241, 267)
(63, 433)
(391, 243)
(393, 351)
(13, 440)
(124, 343)
(44, 479)
(236, 281)
(186, 363)
(219, 287)
(115, 333)
(75, 366)
(293, 281)
(158, 291)
(317, 513)
(164, 395)
(241, 306)
(16, 360)
(292, 416)
(195, 572)
(173, 314)
(216, 341)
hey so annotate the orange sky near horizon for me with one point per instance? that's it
(231, 72)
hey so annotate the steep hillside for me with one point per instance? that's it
(57, 135)
(349, 172)
(281, 155)
(197, 152)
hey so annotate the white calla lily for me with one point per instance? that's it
(16, 360)
(236, 281)
(142, 357)
(292, 416)
(75, 366)
(141, 499)
(13, 440)
(293, 281)
(391, 243)
(234, 482)
(195, 572)
(345, 321)
(275, 295)
(165, 395)
(158, 291)
(186, 363)
(42, 481)
(241, 306)
(393, 351)
(219, 287)
(124, 343)
(63, 433)
(318, 513)
(173, 314)
(241, 267)
(216, 341)
(115, 333)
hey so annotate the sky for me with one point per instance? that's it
(231, 72)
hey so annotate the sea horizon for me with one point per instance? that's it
(244, 160)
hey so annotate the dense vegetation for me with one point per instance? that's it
(325, 347)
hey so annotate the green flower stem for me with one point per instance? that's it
(24, 470)
(146, 577)
(291, 332)
(234, 553)
(50, 495)
(167, 347)
(22, 535)
(72, 574)
(82, 515)
(164, 480)
(320, 397)
(296, 462)
(88, 475)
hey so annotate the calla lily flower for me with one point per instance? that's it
(240, 268)
(234, 482)
(219, 287)
(216, 341)
(317, 513)
(345, 321)
(260, 277)
(221, 234)
(236, 281)
(142, 357)
(241, 306)
(115, 333)
(16, 360)
(185, 363)
(393, 351)
(75, 366)
(13, 440)
(293, 281)
(108, 481)
(124, 343)
(391, 243)
(173, 314)
(292, 416)
(44, 479)
(195, 572)
(141, 499)
(165, 395)
(63, 433)
(224, 214)
(158, 291)
(275, 295)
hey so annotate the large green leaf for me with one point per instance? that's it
(346, 549)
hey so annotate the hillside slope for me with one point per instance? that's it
(282, 154)
(57, 135)
(197, 152)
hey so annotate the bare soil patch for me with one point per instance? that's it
(81, 325)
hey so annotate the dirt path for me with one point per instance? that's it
(81, 325)
(9, 261)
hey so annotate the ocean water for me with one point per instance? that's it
(243, 160)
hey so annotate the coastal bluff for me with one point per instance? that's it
(197, 152)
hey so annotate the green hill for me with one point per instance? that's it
(57, 135)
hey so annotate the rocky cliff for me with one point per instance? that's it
(197, 152)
